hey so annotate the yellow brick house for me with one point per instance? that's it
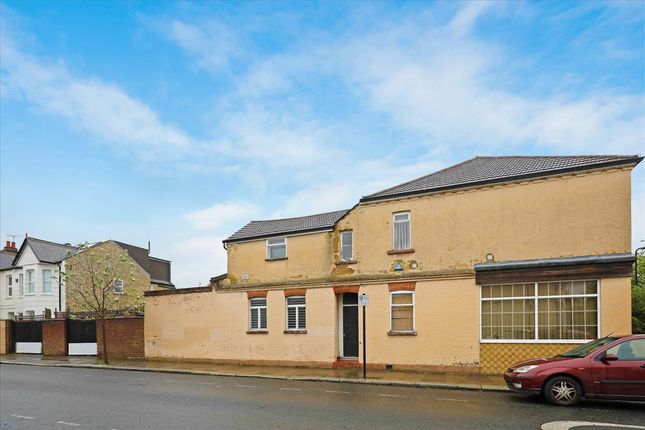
(467, 269)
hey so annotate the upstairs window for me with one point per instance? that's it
(296, 313)
(20, 285)
(346, 245)
(401, 231)
(277, 248)
(31, 282)
(258, 313)
(118, 286)
(402, 311)
(47, 281)
(9, 285)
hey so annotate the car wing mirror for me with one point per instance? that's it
(609, 357)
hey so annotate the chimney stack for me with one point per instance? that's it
(10, 247)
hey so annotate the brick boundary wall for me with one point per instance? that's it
(55, 338)
(6, 344)
(125, 337)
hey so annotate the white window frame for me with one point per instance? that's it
(259, 308)
(31, 283)
(114, 287)
(342, 245)
(9, 289)
(47, 281)
(286, 248)
(30, 315)
(536, 297)
(414, 313)
(409, 221)
(21, 284)
(286, 313)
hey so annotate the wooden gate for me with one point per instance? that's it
(27, 337)
(81, 337)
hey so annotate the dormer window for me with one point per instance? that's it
(277, 248)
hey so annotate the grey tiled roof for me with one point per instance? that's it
(49, 252)
(6, 259)
(274, 227)
(483, 170)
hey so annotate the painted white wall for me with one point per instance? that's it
(37, 301)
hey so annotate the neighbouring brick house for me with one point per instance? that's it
(469, 268)
(147, 273)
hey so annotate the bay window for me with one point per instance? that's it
(47, 281)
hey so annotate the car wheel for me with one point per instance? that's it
(562, 391)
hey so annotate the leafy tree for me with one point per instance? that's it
(638, 298)
(96, 280)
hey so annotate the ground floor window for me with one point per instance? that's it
(258, 313)
(402, 311)
(296, 313)
(540, 311)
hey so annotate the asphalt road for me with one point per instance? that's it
(64, 398)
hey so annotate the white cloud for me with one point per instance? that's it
(211, 43)
(220, 215)
(101, 108)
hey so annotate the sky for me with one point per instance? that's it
(178, 122)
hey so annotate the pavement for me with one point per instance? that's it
(463, 381)
(43, 397)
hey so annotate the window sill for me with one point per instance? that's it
(401, 333)
(295, 332)
(275, 259)
(400, 251)
(257, 331)
(343, 262)
(47, 294)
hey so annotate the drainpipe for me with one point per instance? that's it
(636, 264)
(60, 287)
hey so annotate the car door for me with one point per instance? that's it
(624, 375)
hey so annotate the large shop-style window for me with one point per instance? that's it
(258, 313)
(402, 311)
(401, 239)
(277, 248)
(296, 313)
(540, 311)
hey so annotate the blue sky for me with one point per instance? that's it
(178, 122)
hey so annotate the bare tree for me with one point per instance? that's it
(96, 280)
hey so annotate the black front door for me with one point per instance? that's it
(350, 325)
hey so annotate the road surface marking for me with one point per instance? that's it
(565, 425)
(391, 395)
(336, 392)
(23, 417)
(450, 400)
(291, 389)
(247, 386)
(67, 424)
(208, 383)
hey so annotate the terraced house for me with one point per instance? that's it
(467, 269)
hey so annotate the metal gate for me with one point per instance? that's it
(27, 337)
(81, 337)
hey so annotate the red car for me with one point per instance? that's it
(606, 368)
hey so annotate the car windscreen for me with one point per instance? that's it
(589, 347)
